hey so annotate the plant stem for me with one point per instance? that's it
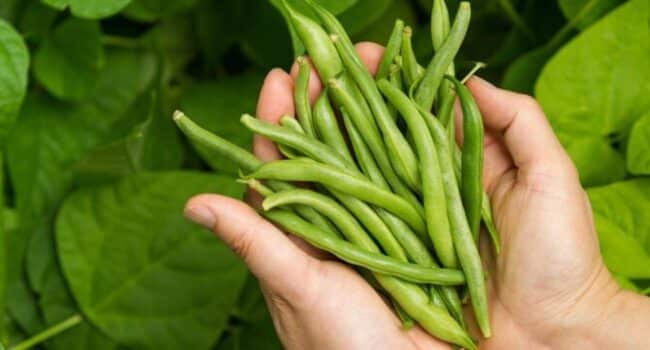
(48, 333)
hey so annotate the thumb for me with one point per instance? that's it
(270, 255)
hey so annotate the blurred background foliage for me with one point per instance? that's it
(95, 174)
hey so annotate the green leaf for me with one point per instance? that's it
(267, 42)
(217, 106)
(138, 150)
(14, 61)
(218, 27)
(522, 74)
(36, 21)
(620, 211)
(70, 69)
(57, 304)
(3, 253)
(364, 13)
(90, 9)
(51, 136)
(379, 30)
(40, 256)
(602, 75)
(571, 8)
(151, 10)
(638, 147)
(609, 168)
(142, 273)
(23, 307)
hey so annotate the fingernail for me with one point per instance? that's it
(201, 215)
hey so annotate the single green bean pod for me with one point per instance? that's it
(433, 194)
(472, 157)
(301, 96)
(345, 181)
(428, 88)
(411, 69)
(327, 126)
(393, 47)
(467, 251)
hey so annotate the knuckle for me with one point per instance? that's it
(528, 102)
(243, 244)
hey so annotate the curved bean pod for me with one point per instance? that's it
(428, 87)
(411, 70)
(244, 160)
(300, 142)
(358, 256)
(435, 206)
(344, 181)
(301, 96)
(327, 126)
(340, 217)
(392, 49)
(468, 255)
(471, 184)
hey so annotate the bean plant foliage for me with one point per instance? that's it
(94, 174)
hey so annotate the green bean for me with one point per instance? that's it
(320, 48)
(302, 143)
(477, 66)
(362, 153)
(407, 321)
(327, 127)
(244, 160)
(199, 136)
(435, 206)
(293, 124)
(359, 256)
(399, 151)
(340, 217)
(411, 70)
(392, 49)
(347, 182)
(467, 251)
(370, 133)
(472, 157)
(395, 78)
(439, 23)
(488, 219)
(301, 96)
(428, 87)
(410, 296)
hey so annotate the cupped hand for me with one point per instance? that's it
(546, 280)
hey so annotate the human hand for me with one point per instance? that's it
(548, 288)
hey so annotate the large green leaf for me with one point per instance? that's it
(14, 61)
(620, 211)
(57, 304)
(601, 77)
(364, 13)
(379, 30)
(218, 107)
(571, 8)
(90, 9)
(268, 42)
(139, 271)
(151, 10)
(638, 147)
(51, 136)
(67, 68)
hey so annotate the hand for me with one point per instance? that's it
(548, 288)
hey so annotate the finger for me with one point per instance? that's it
(370, 54)
(266, 250)
(526, 132)
(275, 101)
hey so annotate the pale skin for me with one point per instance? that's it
(549, 288)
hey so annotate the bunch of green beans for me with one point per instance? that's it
(388, 188)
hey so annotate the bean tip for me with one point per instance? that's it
(408, 31)
(333, 83)
(178, 115)
(334, 38)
